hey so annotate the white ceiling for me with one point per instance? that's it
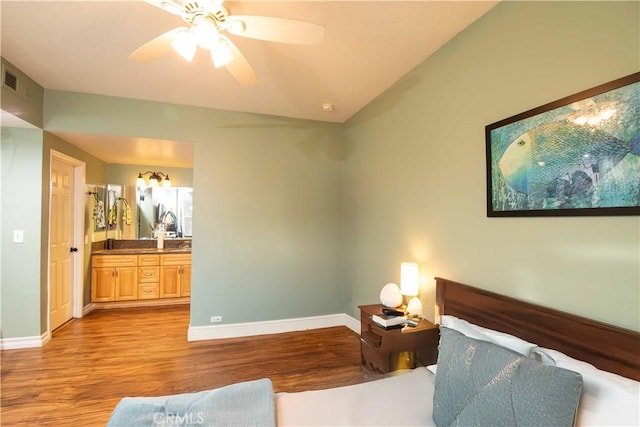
(82, 46)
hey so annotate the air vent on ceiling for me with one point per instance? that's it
(10, 80)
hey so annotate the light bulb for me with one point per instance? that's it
(140, 181)
(220, 54)
(205, 32)
(185, 45)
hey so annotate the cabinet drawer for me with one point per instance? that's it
(148, 274)
(177, 259)
(148, 291)
(144, 260)
(114, 260)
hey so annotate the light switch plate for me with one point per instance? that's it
(18, 236)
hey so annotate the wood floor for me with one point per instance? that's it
(79, 376)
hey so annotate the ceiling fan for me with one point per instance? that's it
(208, 21)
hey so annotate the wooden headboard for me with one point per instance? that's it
(607, 347)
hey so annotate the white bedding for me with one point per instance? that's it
(404, 399)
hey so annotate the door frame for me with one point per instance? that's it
(79, 169)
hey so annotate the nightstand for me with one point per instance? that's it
(385, 350)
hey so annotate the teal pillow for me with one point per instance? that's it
(480, 383)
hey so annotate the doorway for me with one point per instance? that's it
(66, 254)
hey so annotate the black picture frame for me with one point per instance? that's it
(577, 156)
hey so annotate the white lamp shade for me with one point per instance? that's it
(390, 295)
(409, 279)
(414, 308)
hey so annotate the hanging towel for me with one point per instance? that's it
(98, 213)
(126, 212)
(113, 214)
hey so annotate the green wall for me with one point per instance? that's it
(21, 274)
(266, 202)
(414, 170)
(266, 227)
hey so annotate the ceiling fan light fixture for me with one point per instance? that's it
(205, 32)
(185, 45)
(220, 54)
(205, 22)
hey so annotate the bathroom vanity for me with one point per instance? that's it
(133, 273)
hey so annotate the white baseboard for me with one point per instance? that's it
(209, 332)
(24, 342)
(353, 324)
(88, 309)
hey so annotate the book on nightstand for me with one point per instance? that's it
(388, 321)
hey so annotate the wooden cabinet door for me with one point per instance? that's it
(186, 280)
(126, 283)
(102, 284)
(170, 281)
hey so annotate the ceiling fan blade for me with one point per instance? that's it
(166, 5)
(156, 47)
(239, 67)
(272, 29)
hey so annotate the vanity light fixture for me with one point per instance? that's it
(410, 286)
(155, 179)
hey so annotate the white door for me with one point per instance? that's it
(61, 251)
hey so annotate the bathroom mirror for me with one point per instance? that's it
(120, 210)
(169, 207)
(127, 212)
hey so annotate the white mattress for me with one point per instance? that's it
(404, 399)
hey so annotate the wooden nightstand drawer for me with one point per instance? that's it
(148, 291)
(149, 274)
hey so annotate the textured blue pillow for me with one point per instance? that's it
(480, 383)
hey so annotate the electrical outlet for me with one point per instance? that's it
(216, 319)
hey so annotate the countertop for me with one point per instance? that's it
(142, 251)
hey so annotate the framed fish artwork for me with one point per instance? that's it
(576, 156)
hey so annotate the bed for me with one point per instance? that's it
(570, 369)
